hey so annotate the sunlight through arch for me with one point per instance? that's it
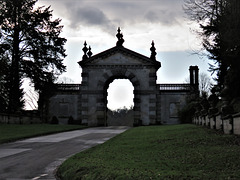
(120, 94)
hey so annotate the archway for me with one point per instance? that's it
(153, 103)
(120, 103)
(100, 70)
(120, 94)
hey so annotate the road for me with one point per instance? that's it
(37, 158)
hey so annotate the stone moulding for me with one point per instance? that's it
(218, 121)
(203, 118)
(227, 124)
(213, 122)
(236, 123)
(19, 119)
(113, 66)
(208, 121)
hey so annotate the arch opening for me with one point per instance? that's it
(120, 94)
(120, 103)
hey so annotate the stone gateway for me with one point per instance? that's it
(86, 103)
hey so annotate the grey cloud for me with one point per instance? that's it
(107, 14)
(152, 16)
(122, 5)
(82, 14)
(92, 16)
(164, 17)
(89, 16)
(166, 12)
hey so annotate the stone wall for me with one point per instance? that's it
(229, 124)
(171, 103)
(236, 124)
(162, 103)
(19, 119)
(64, 106)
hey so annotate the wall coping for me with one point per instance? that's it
(227, 117)
(236, 115)
(217, 114)
(19, 115)
(203, 115)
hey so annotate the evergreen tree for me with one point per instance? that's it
(219, 23)
(4, 70)
(229, 29)
(34, 50)
(207, 14)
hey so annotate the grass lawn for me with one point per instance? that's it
(12, 132)
(158, 152)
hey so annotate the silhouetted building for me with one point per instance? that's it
(154, 103)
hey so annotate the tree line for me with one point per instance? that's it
(30, 47)
(219, 23)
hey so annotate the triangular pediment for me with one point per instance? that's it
(119, 56)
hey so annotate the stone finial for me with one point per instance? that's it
(85, 49)
(153, 52)
(89, 52)
(120, 38)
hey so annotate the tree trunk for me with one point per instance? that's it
(15, 93)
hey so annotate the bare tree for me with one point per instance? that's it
(203, 11)
(65, 80)
(31, 99)
(205, 83)
(219, 25)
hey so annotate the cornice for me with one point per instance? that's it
(114, 66)
(122, 50)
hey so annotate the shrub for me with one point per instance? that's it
(54, 120)
(70, 120)
(187, 112)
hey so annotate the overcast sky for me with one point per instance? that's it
(141, 21)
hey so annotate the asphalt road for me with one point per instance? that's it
(38, 158)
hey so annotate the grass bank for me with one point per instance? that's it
(158, 152)
(12, 132)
